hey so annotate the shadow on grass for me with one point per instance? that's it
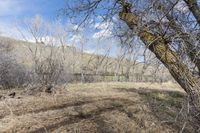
(170, 98)
(163, 104)
(115, 104)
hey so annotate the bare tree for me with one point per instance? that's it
(161, 47)
(79, 42)
(48, 51)
(150, 24)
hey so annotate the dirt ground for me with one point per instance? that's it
(95, 108)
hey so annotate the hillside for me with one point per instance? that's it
(74, 61)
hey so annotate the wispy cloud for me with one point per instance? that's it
(9, 30)
(103, 34)
(105, 30)
(10, 7)
(9, 10)
(181, 6)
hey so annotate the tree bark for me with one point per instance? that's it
(159, 46)
(192, 50)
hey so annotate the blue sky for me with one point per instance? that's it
(17, 11)
(14, 12)
(20, 9)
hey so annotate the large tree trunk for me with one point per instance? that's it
(159, 46)
(191, 49)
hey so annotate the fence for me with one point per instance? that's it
(78, 77)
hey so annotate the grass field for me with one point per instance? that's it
(95, 108)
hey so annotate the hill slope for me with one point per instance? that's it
(74, 60)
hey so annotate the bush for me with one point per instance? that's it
(48, 71)
(12, 74)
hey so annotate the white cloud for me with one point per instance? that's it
(181, 6)
(103, 25)
(74, 27)
(14, 31)
(9, 30)
(76, 38)
(47, 40)
(105, 30)
(103, 34)
(91, 51)
(8, 7)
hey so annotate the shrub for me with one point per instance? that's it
(12, 74)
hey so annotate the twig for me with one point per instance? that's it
(183, 127)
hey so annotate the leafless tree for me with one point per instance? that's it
(47, 51)
(170, 33)
(78, 42)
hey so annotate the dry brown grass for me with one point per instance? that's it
(96, 108)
